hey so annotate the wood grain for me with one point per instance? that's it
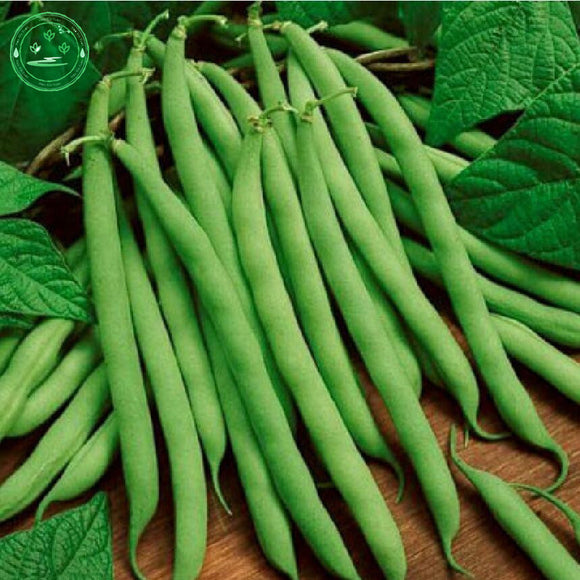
(481, 546)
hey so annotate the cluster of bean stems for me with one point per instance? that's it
(226, 311)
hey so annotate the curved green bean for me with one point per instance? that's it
(201, 192)
(329, 435)
(213, 116)
(364, 35)
(57, 446)
(177, 423)
(419, 314)
(115, 326)
(221, 301)
(86, 467)
(270, 519)
(9, 339)
(174, 295)
(510, 397)
(472, 143)
(501, 264)
(520, 521)
(523, 344)
(34, 358)
(385, 369)
(59, 386)
(350, 131)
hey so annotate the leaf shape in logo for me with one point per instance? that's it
(74, 544)
(35, 47)
(49, 35)
(496, 57)
(524, 193)
(34, 276)
(64, 48)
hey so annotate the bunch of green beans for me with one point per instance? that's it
(270, 243)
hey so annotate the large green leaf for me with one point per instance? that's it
(310, 13)
(18, 190)
(69, 546)
(524, 193)
(34, 277)
(496, 57)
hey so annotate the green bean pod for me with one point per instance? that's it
(86, 467)
(52, 393)
(270, 85)
(214, 117)
(221, 301)
(221, 179)
(329, 435)
(200, 190)
(520, 521)
(472, 143)
(515, 270)
(116, 328)
(373, 343)
(523, 344)
(391, 323)
(177, 422)
(349, 129)
(419, 314)
(9, 339)
(174, 294)
(364, 35)
(271, 522)
(509, 395)
(33, 360)
(57, 446)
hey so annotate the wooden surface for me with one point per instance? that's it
(481, 546)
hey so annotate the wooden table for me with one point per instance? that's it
(481, 546)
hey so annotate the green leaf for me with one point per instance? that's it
(18, 190)
(524, 193)
(309, 13)
(496, 57)
(71, 545)
(15, 321)
(420, 19)
(34, 277)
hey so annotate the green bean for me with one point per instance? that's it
(213, 116)
(270, 84)
(115, 326)
(364, 35)
(86, 467)
(509, 395)
(35, 357)
(520, 522)
(391, 323)
(308, 288)
(268, 514)
(177, 423)
(558, 325)
(331, 439)
(418, 313)
(501, 264)
(174, 295)
(523, 344)
(472, 143)
(49, 396)
(220, 178)
(208, 7)
(350, 131)
(57, 446)
(373, 343)
(221, 301)
(9, 340)
(201, 192)
(234, 37)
